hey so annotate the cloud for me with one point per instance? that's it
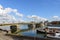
(33, 16)
(5, 14)
(7, 10)
(15, 10)
(20, 15)
(56, 18)
(17, 13)
(37, 18)
(44, 19)
(1, 7)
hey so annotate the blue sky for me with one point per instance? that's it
(42, 8)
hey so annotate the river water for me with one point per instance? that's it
(25, 33)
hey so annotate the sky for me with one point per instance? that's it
(31, 9)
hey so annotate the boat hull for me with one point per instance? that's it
(43, 32)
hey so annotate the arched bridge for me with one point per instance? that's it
(3, 24)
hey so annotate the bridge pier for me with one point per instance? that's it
(41, 25)
(31, 26)
(36, 25)
(13, 28)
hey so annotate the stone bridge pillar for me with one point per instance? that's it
(13, 28)
(31, 26)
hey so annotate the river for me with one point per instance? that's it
(25, 33)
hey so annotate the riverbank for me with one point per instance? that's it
(19, 37)
(4, 36)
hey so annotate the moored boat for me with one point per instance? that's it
(57, 35)
(49, 30)
(44, 32)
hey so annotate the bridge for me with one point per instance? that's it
(30, 26)
(24, 23)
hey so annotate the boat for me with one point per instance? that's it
(57, 35)
(44, 32)
(49, 30)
